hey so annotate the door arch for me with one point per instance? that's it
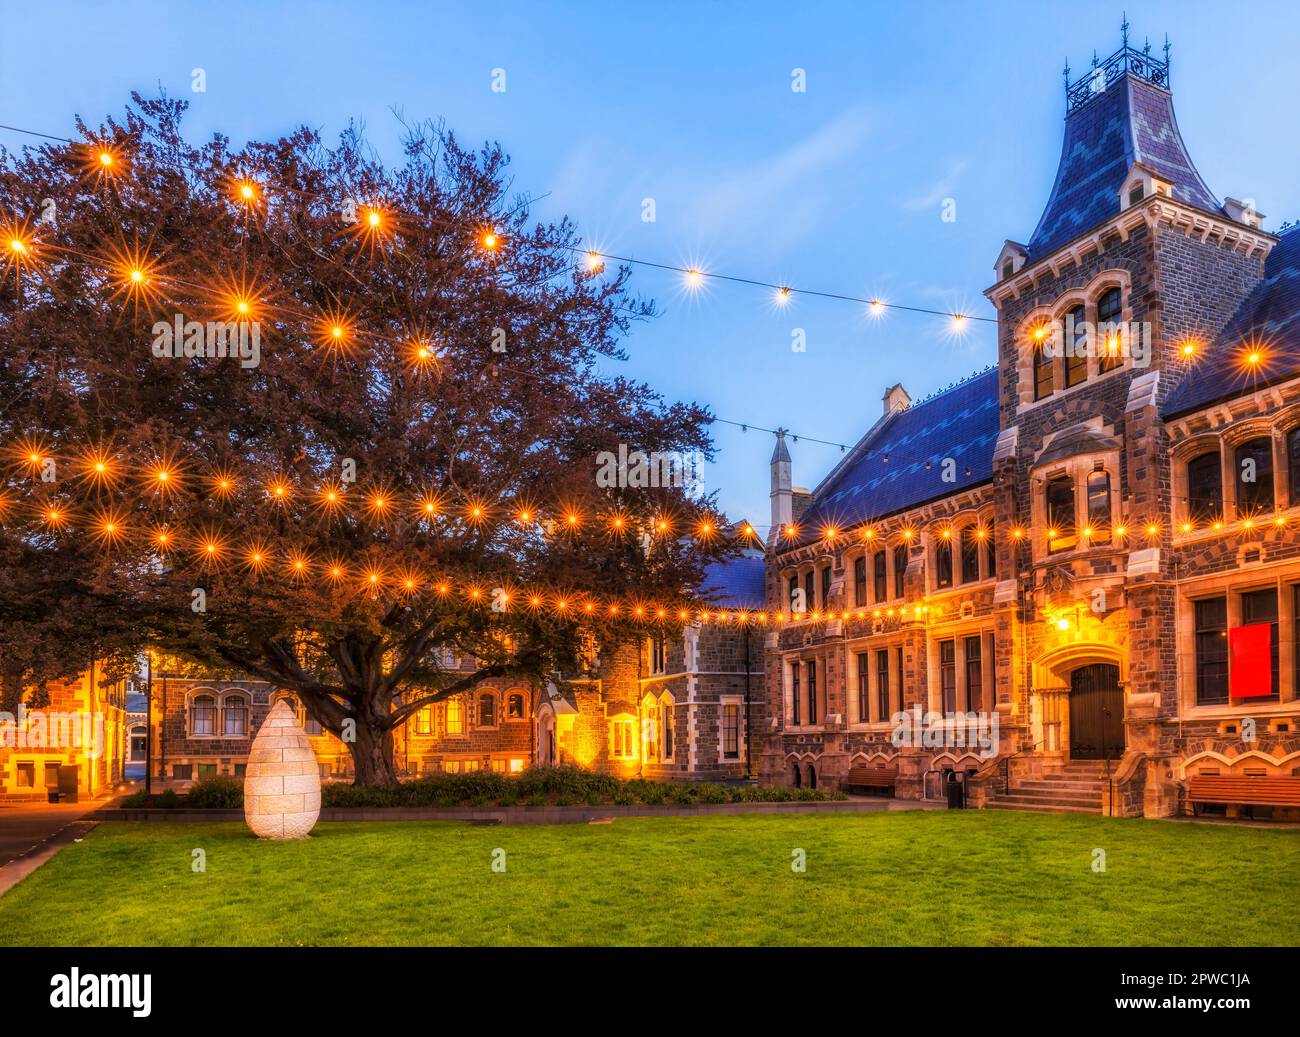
(1096, 713)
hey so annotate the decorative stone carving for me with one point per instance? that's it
(282, 784)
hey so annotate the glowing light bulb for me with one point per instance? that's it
(877, 307)
(137, 276)
(18, 245)
(105, 158)
(489, 240)
(1189, 348)
(694, 278)
(958, 322)
(782, 296)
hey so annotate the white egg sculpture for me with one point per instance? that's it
(282, 781)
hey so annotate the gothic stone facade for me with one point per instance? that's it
(1071, 542)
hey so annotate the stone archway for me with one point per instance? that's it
(547, 746)
(1056, 680)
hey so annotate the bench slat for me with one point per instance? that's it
(1281, 792)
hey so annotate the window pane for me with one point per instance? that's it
(864, 690)
(974, 674)
(826, 587)
(794, 696)
(880, 576)
(1043, 382)
(900, 570)
(1204, 487)
(812, 692)
(1076, 336)
(1099, 518)
(970, 555)
(859, 582)
(1255, 477)
(990, 551)
(1293, 470)
(1109, 307)
(1060, 513)
(948, 675)
(882, 684)
(943, 562)
(1211, 647)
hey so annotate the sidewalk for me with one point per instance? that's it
(32, 833)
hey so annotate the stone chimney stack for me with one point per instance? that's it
(782, 489)
(896, 399)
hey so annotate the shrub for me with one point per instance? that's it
(167, 799)
(216, 794)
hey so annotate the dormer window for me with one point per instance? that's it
(1008, 268)
(1136, 193)
(1142, 182)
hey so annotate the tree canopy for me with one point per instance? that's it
(404, 456)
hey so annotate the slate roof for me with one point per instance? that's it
(1269, 318)
(886, 472)
(736, 583)
(1131, 121)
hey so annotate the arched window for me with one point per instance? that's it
(879, 576)
(860, 581)
(1044, 378)
(487, 710)
(203, 715)
(1204, 487)
(515, 709)
(1076, 357)
(970, 554)
(943, 561)
(1008, 268)
(1059, 498)
(900, 571)
(1293, 469)
(1255, 476)
(1099, 517)
(990, 551)
(1110, 305)
(796, 776)
(235, 716)
(668, 727)
(812, 776)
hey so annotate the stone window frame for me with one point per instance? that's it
(522, 695)
(801, 657)
(479, 694)
(620, 747)
(444, 717)
(742, 723)
(649, 701)
(982, 518)
(1078, 469)
(888, 643)
(247, 698)
(1056, 311)
(1232, 585)
(1275, 427)
(202, 692)
(800, 571)
(984, 627)
(868, 549)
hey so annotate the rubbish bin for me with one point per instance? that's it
(956, 789)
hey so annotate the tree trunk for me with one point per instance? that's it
(372, 757)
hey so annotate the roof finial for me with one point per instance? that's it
(1146, 46)
(1094, 57)
(1167, 49)
(1066, 73)
(1124, 30)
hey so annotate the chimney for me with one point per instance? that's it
(896, 399)
(782, 489)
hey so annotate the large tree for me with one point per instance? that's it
(417, 331)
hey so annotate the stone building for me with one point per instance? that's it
(1097, 541)
(74, 743)
(674, 707)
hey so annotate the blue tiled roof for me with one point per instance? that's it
(736, 583)
(890, 474)
(137, 703)
(1132, 121)
(1269, 318)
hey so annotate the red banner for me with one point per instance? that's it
(1251, 650)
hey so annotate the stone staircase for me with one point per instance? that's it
(1075, 789)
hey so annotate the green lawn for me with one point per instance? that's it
(918, 877)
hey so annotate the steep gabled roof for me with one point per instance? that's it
(1130, 121)
(1269, 319)
(887, 471)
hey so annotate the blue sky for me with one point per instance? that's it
(838, 188)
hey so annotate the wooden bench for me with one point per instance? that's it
(870, 780)
(1246, 792)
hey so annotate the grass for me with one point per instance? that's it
(923, 878)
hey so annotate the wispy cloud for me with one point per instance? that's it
(939, 189)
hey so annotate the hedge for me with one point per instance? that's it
(542, 786)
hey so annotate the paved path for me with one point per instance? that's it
(32, 833)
